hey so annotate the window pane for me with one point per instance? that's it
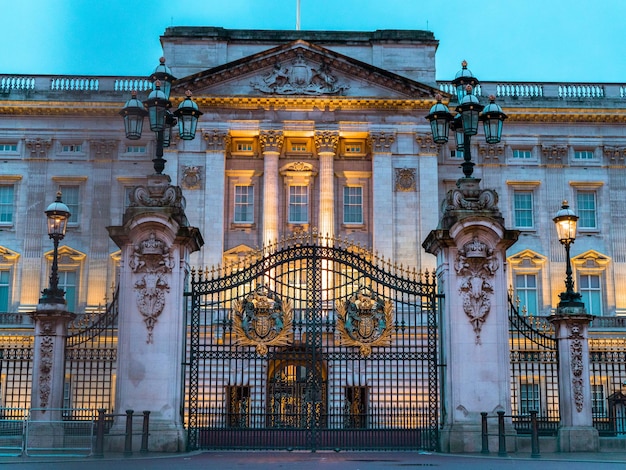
(67, 282)
(6, 204)
(591, 293)
(523, 208)
(526, 292)
(352, 205)
(70, 197)
(586, 202)
(4, 291)
(298, 205)
(244, 204)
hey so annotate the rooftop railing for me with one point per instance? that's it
(564, 91)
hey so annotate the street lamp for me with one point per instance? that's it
(469, 113)
(566, 221)
(161, 119)
(58, 214)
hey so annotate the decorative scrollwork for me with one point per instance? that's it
(365, 320)
(262, 319)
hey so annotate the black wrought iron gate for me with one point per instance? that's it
(312, 344)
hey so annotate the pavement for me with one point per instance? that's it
(323, 460)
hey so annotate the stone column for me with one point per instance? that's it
(470, 245)
(326, 144)
(48, 370)
(271, 145)
(382, 193)
(155, 240)
(576, 431)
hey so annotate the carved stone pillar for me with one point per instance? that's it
(326, 143)
(576, 431)
(271, 145)
(155, 241)
(470, 245)
(382, 203)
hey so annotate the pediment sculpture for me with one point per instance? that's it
(300, 78)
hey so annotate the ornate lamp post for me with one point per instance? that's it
(566, 221)
(469, 113)
(58, 214)
(161, 119)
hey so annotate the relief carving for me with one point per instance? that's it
(405, 180)
(271, 141)
(476, 265)
(576, 360)
(151, 259)
(381, 141)
(326, 141)
(45, 368)
(300, 79)
(192, 177)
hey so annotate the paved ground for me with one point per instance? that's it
(320, 461)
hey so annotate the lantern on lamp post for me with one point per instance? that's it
(566, 221)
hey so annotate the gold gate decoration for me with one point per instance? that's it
(262, 319)
(365, 320)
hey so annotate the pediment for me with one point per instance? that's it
(527, 259)
(300, 68)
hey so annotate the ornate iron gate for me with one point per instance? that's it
(313, 344)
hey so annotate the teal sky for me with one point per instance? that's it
(508, 40)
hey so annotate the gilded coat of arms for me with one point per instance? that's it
(365, 320)
(261, 320)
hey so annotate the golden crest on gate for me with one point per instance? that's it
(364, 320)
(261, 320)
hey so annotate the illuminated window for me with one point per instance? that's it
(523, 209)
(244, 204)
(299, 146)
(526, 292)
(298, 205)
(529, 398)
(352, 205)
(244, 146)
(586, 205)
(6, 203)
(598, 402)
(591, 291)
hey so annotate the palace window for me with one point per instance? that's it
(68, 282)
(244, 204)
(6, 204)
(135, 149)
(299, 146)
(5, 289)
(243, 146)
(352, 205)
(523, 209)
(529, 398)
(8, 148)
(71, 197)
(522, 154)
(583, 155)
(590, 289)
(586, 205)
(72, 148)
(298, 205)
(598, 401)
(526, 292)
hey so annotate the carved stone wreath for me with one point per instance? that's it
(365, 321)
(261, 320)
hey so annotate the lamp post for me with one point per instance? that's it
(566, 222)
(58, 214)
(469, 113)
(162, 121)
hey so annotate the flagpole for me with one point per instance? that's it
(297, 15)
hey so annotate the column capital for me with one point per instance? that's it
(38, 147)
(381, 141)
(216, 139)
(326, 141)
(427, 144)
(271, 141)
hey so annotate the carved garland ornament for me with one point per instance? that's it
(365, 320)
(476, 265)
(46, 352)
(576, 360)
(262, 319)
(151, 259)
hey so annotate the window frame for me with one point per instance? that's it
(523, 300)
(249, 204)
(348, 204)
(522, 210)
(9, 204)
(298, 204)
(581, 212)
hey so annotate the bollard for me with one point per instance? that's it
(501, 435)
(485, 435)
(534, 436)
(144, 432)
(128, 443)
(99, 452)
